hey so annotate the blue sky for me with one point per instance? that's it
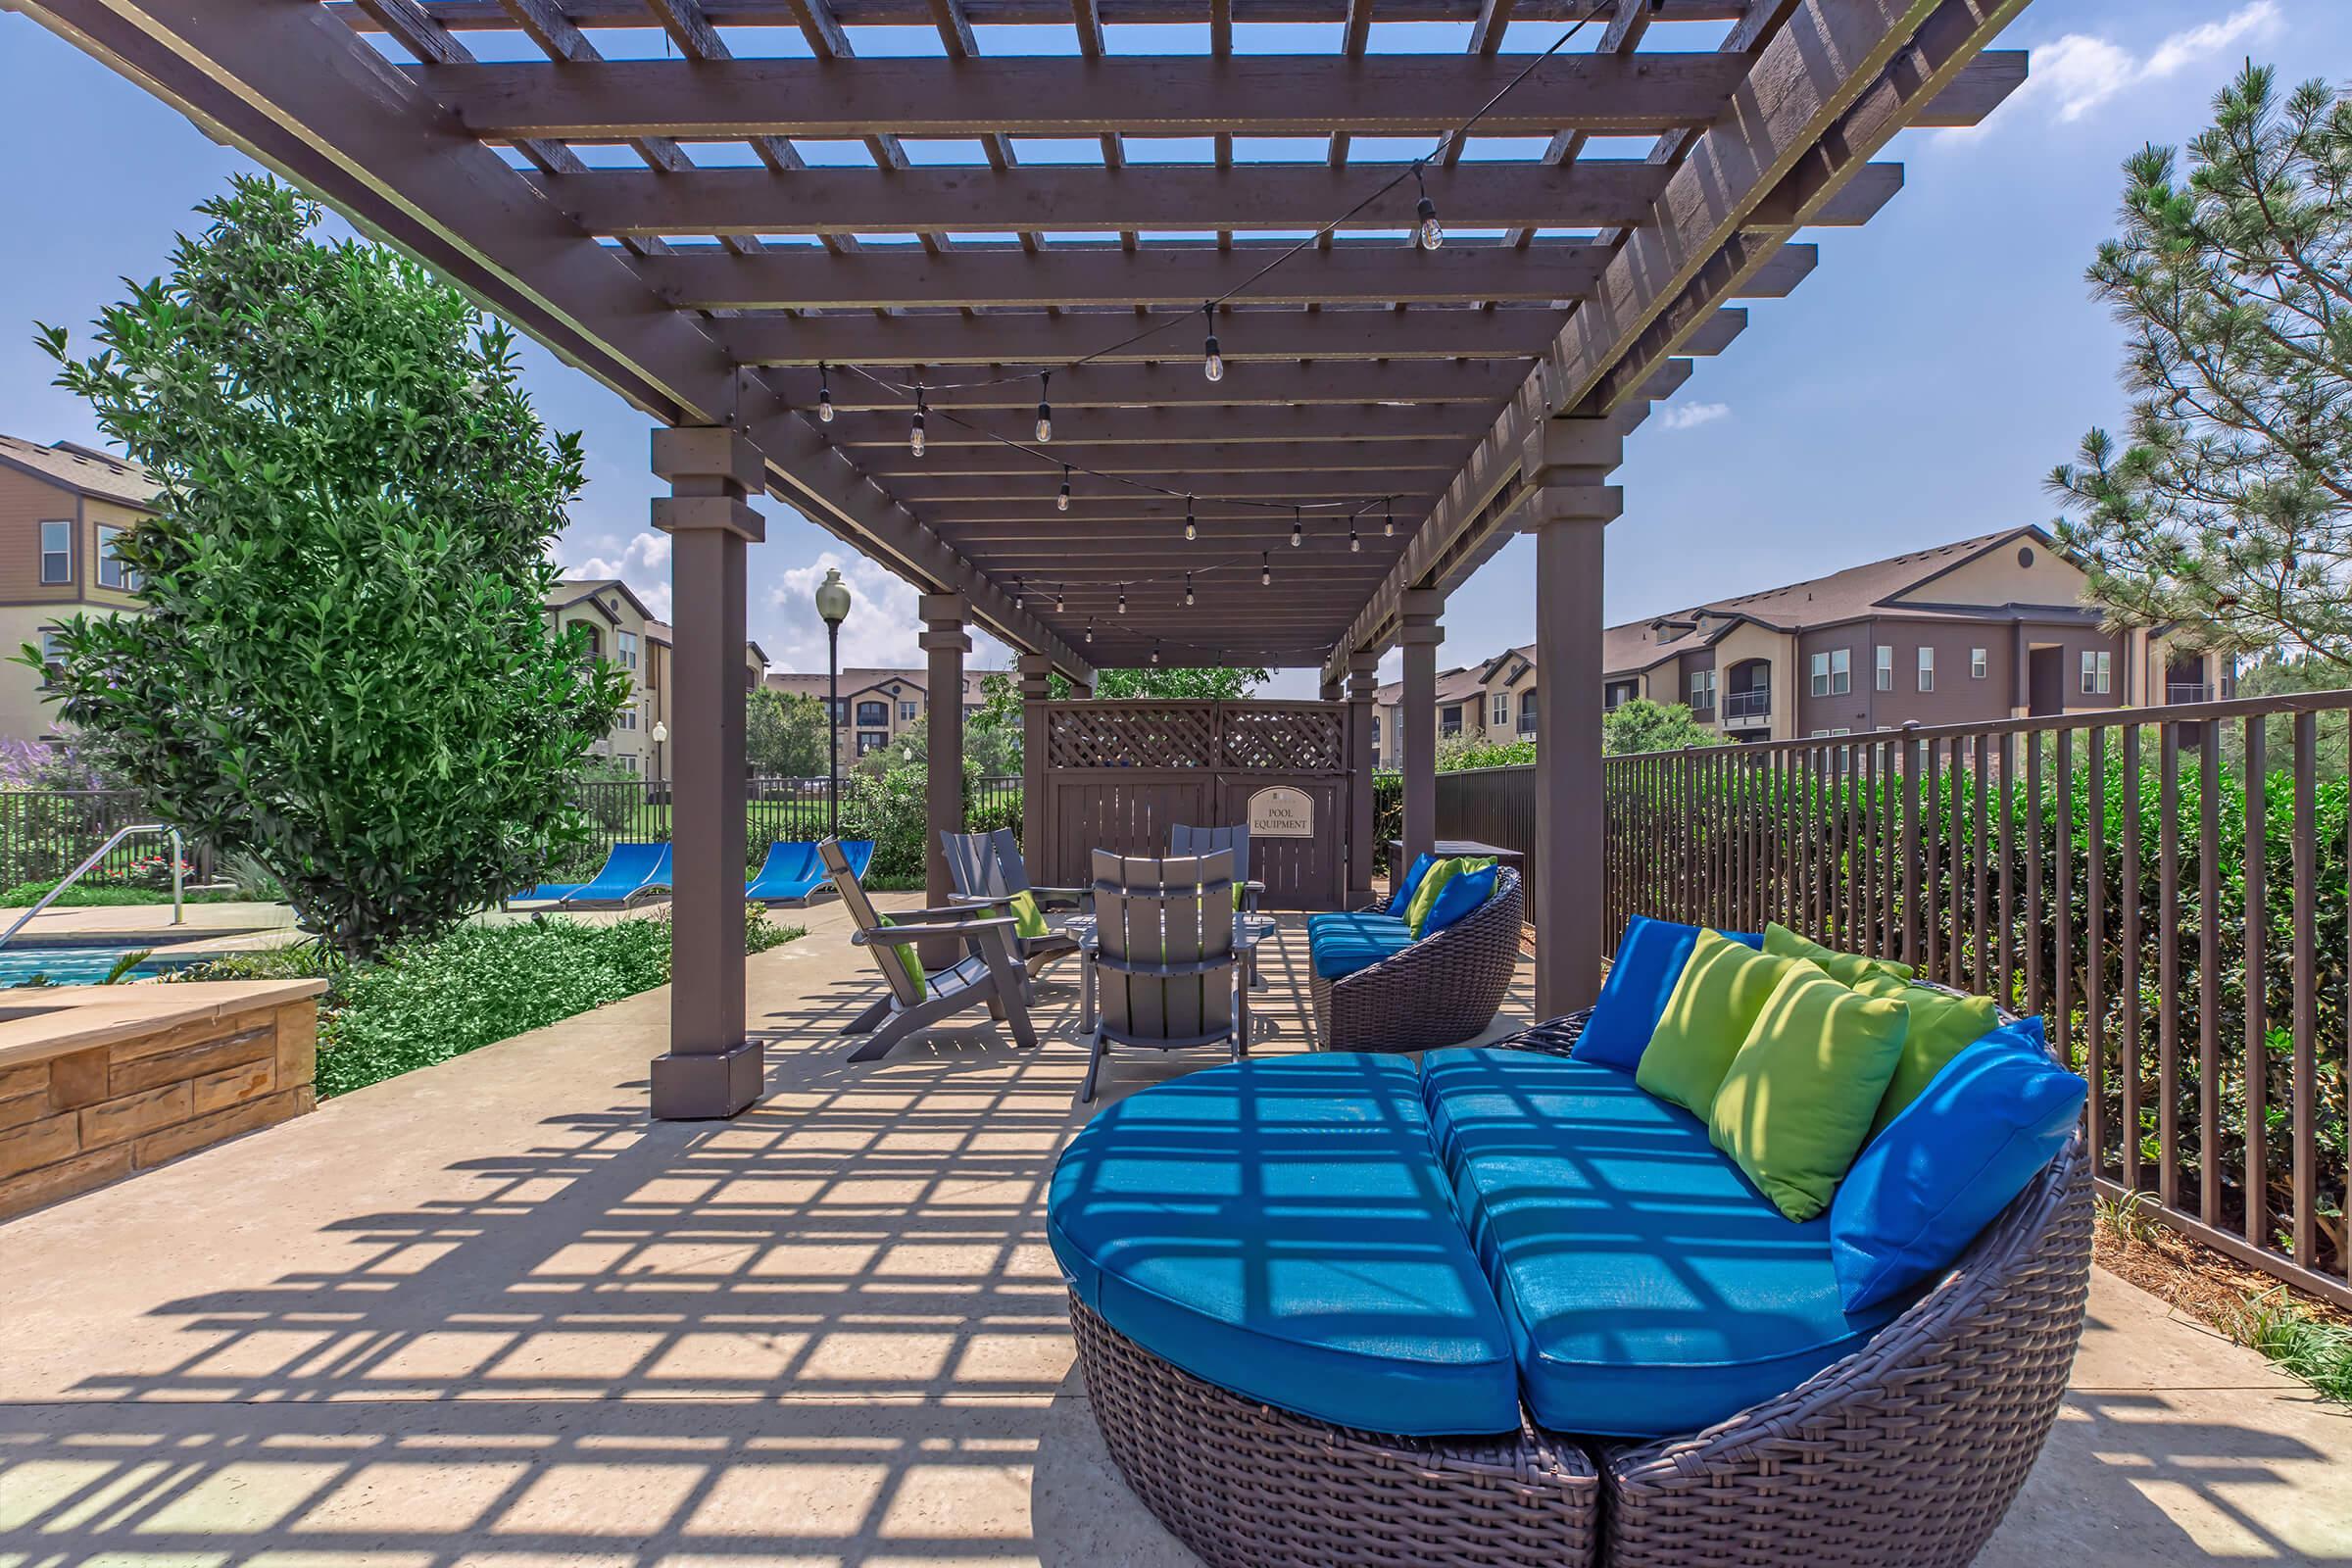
(1914, 390)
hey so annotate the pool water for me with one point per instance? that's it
(82, 963)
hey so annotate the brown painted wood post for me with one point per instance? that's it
(1364, 847)
(1417, 716)
(946, 641)
(1568, 514)
(1035, 687)
(711, 1071)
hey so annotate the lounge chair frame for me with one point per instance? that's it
(1443, 990)
(989, 977)
(986, 869)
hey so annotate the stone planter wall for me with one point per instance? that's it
(100, 1082)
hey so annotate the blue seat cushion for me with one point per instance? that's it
(1341, 944)
(1649, 961)
(1650, 1289)
(1281, 1229)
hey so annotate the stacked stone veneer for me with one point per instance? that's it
(75, 1115)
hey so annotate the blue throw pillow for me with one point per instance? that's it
(1952, 1159)
(1412, 884)
(1649, 961)
(1467, 892)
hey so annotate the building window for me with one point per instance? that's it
(1834, 672)
(1976, 663)
(2096, 675)
(1883, 668)
(869, 740)
(624, 648)
(628, 718)
(1702, 688)
(112, 572)
(1449, 720)
(56, 552)
(53, 654)
(875, 713)
(1926, 670)
(1500, 710)
(905, 713)
(1527, 711)
(841, 712)
(1375, 737)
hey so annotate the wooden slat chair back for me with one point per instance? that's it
(1165, 961)
(987, 868)
(1183, 840)
(992, 977)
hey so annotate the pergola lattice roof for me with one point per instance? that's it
(719, 207)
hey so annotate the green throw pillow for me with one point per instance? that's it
(1425, 897)
(1943, 1025)
(909, 958)
(1028, 919)
(1714, 1004)
(1843, 967)
(1238, 892)
(1796, 1107)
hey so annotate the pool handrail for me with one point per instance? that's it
(178, 888)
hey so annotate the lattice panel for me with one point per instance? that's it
(1157, 735)
(1285, 737)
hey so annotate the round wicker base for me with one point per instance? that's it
(1247, 1486)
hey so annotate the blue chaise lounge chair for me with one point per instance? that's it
(633, 870)
(792, 872)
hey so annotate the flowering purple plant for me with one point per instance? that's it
(46, 765)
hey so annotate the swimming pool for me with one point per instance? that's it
(78, 963)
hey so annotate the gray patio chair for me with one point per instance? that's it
(988, 976)
(986, 869)
(1165, 968)
(1184, 840)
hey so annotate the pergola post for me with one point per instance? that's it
(1568, 512)
(1035, 687)
(1364, 859)
(711, 1071)
(1417, 716)
(1329, 690)
(947, 642)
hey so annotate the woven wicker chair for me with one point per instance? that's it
(1905, 1454)
(1440, 991)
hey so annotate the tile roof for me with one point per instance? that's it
(863, 678)
(82, 469)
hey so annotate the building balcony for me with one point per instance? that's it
(1750, 709)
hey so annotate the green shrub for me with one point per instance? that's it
(426, 1002)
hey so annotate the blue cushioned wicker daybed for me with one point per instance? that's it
(1340, 1308)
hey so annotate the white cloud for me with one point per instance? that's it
(1690, 415)
(883, 628)
(2081, 72)
(643, 563)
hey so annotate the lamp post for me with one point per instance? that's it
(833, 606)
(661, 737)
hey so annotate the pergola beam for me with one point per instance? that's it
(1109, 276)
(1249, 95)
(1153, 459)
(484, 14)
(1176, 383)
(1089, 434)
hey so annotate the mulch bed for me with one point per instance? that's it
(2209, 1286)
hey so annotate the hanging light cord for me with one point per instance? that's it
(1412, 170)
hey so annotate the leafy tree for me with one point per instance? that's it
(1461, 752)
(2229, 507)
(784, 734)
(346, 667)
(1641, 725)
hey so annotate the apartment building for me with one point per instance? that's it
(61, 508)
(876, 705)
(1985, 628)
(619, 628)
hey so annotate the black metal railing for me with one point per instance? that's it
(1747, 704)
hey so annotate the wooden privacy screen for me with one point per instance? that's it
(1120, 774)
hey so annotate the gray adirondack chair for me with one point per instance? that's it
(1184, 840)
(989, 976)
(986, 869)
(1166, 967)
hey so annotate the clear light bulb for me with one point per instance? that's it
(1061, 503)
(1388, 527)
(1122, 600)
(1155, 652)
(1432, 232)
(915, 440)
(1192, 529)
(1355, 546)
(824, 405)
(1212, 363)
(1298, 534)
(1188, 587)
(1265, 572)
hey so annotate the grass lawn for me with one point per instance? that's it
(82, 895)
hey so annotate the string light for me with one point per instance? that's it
(1061, 503)
(1297, 532)
(1355, 545)
(1058, 601)
(1388, 527)
(1432, 233)
(1122, 600)
(1212, 359)
(824, 395)
(1188, 587)
(914, 436)
(1090, 628)
(1044, 409)
(1192, 529)
(1265, 570)
(1155, 651)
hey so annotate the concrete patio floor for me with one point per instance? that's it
(488, 1313)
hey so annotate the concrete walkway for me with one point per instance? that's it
(487, 1313)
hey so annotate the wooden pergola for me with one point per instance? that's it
(780, 248)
